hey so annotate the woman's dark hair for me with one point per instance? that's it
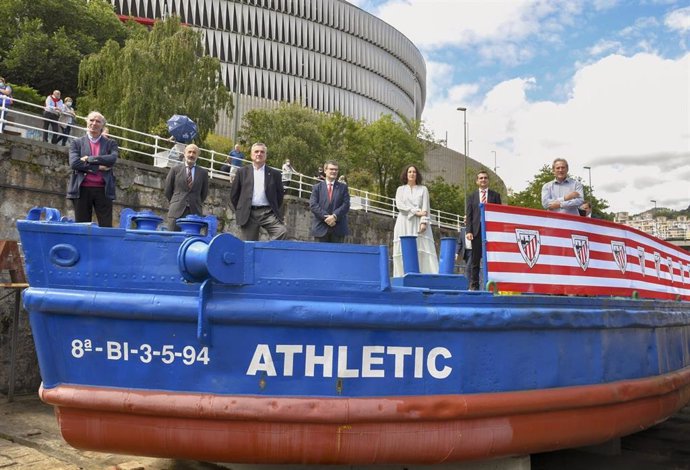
(403, 175)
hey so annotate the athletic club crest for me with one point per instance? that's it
(669, 263)
(529, 243)
(619, 255)
(581, 248)
(641, 257)
(657, 265)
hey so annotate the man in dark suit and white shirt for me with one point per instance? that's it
(329, 203)
(256, 195)
(473, 223)
(92, 184)
(186, 187)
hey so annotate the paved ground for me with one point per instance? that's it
(30, 439)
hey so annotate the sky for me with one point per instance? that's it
(602, 83)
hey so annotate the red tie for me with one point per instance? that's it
(484, 197)
(189, 177)
(330, 192)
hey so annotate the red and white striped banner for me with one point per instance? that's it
(536, 251)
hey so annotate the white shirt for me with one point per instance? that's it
(259, 195)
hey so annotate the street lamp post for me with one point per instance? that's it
(589, 170)
(495, 167)
(238, 82)
(236, 117)
(464, 168)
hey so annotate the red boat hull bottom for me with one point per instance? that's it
(410, 430)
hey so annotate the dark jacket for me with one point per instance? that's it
(321, 207)
(180, 196)
(242, 190)
(108, 154)
(473, 220)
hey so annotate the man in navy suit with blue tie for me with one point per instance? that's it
(330, 203)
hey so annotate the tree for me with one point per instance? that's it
(386, 147)
(156, 74)
(531, 196)
(371, 155)
(446, 197)
(290, 131)
(341, 143)
(43, 40)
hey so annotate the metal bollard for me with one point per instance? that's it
(449, 247)
(408, 247)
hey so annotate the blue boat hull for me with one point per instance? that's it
(285, 352)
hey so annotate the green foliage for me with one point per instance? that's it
(26, 93)
(290, 131)
(340, 143)
(446, 197)
(218, 143)
(531, 196)
(46, 39)
(155, 75)
(370, 155)
(385, 148)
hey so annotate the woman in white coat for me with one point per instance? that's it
(412, 201)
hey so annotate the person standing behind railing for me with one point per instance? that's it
(51, 113)
(67, 119)
(92, 183)
(286, 173)
(5, 100)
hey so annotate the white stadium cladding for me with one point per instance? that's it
(324, 54)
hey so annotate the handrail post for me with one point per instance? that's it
(3, 111)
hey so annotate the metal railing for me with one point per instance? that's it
(167, 153)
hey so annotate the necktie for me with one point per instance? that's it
(484, 197)
(330, 192)
(189, 177)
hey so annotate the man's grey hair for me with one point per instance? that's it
(553, 165)
(96, 113)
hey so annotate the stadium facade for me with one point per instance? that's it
(328, 55)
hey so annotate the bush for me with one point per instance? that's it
(26, 93)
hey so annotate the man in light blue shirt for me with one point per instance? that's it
(563, 194)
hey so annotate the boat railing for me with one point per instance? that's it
(26, 120)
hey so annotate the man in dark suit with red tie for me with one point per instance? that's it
(473, 223)
(186, 187)
(329, 203)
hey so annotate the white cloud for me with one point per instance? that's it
(627, 117)
(640, 26)
(439, 79)
(433, 24)
(605, 46)
(678, 20)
